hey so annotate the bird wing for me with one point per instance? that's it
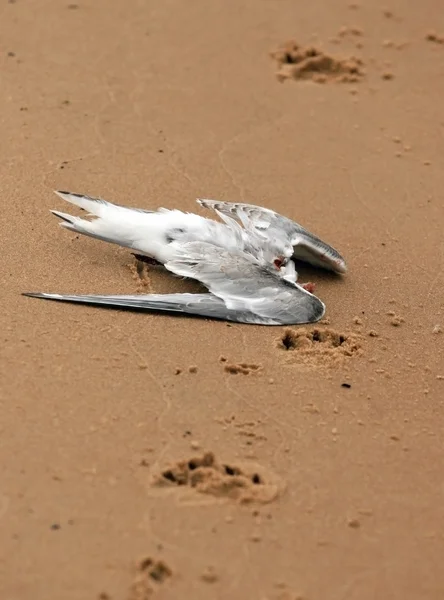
(204, 305)
(245, 284)
(241, 290)
(306, 246)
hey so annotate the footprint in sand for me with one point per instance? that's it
(296, 62)
(204, 479)
(319, 346)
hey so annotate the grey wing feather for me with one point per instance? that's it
(260, 218)
(306, 246)
(203, 305)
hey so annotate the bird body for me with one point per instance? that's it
(245, 261)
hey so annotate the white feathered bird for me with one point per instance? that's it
(248, 270)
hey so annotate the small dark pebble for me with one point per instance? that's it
(11, 54)
(55, 526)
(346, 385)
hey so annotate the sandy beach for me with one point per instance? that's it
(152, 457)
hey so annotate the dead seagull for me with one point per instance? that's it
(248, 271)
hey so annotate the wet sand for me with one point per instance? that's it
(147, 456)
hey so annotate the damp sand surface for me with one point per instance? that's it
(149, 457)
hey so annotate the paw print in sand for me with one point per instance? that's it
(205, 476)
(296, 62)
(319, 346)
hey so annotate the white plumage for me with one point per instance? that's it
(245, 261)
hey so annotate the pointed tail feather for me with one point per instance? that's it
(94, 206)
(88, 228)
(112, 223)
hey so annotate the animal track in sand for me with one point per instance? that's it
(245, 483)
(297, 62)
(139, 272)
(319, 346)
(150, 573)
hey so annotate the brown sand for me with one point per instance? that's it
(156, 103)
